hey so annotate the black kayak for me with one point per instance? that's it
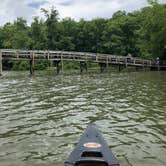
(92, 150)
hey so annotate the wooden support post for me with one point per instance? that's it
(102, 67)
(31, 63)
(56, 63)
(86, 66)
(62, 68)
(143, 65)
(126, 64)
(57, 67)
(86, 63)
(136, 68)
(51, 63)
(107, 63)
(0, 63)
(81, 67)
(120, 68)
(30, 67)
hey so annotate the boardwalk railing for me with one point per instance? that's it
(42, 55)
(73, 56)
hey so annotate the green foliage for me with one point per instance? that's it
(41, 65)
(153, 31)
(16, 35)
(38, 34)
(71, 65)
(153, 2)
(20, 65)
(53, 28)
(141, 33)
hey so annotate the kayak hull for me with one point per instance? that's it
(92, 148)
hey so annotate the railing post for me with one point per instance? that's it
(134, 61)
(16, 53)
(0, 63)
(96, 57)
(116, 60)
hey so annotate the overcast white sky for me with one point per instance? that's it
(76, 9)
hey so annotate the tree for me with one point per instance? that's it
(38, 34)
(21, 39)
(152, 2)
(16, 35)
(68, 34)
(153, 31)
(53, 29)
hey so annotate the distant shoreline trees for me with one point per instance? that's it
(141, 33)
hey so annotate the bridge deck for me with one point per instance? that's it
(61, 56)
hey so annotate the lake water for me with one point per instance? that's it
(42, 117)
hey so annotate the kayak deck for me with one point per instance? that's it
(92, 150)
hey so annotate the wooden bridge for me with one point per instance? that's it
(58, 57)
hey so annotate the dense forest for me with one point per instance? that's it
(141, 33)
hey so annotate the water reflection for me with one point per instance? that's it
(42, 118)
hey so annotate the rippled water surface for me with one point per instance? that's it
(42, 118)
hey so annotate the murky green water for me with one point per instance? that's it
(42, 118)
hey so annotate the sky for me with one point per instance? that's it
(76, 9)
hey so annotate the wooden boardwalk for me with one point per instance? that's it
(104, 60)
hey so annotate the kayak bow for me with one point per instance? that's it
(92, 150)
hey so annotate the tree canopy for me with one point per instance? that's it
(141, 33)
